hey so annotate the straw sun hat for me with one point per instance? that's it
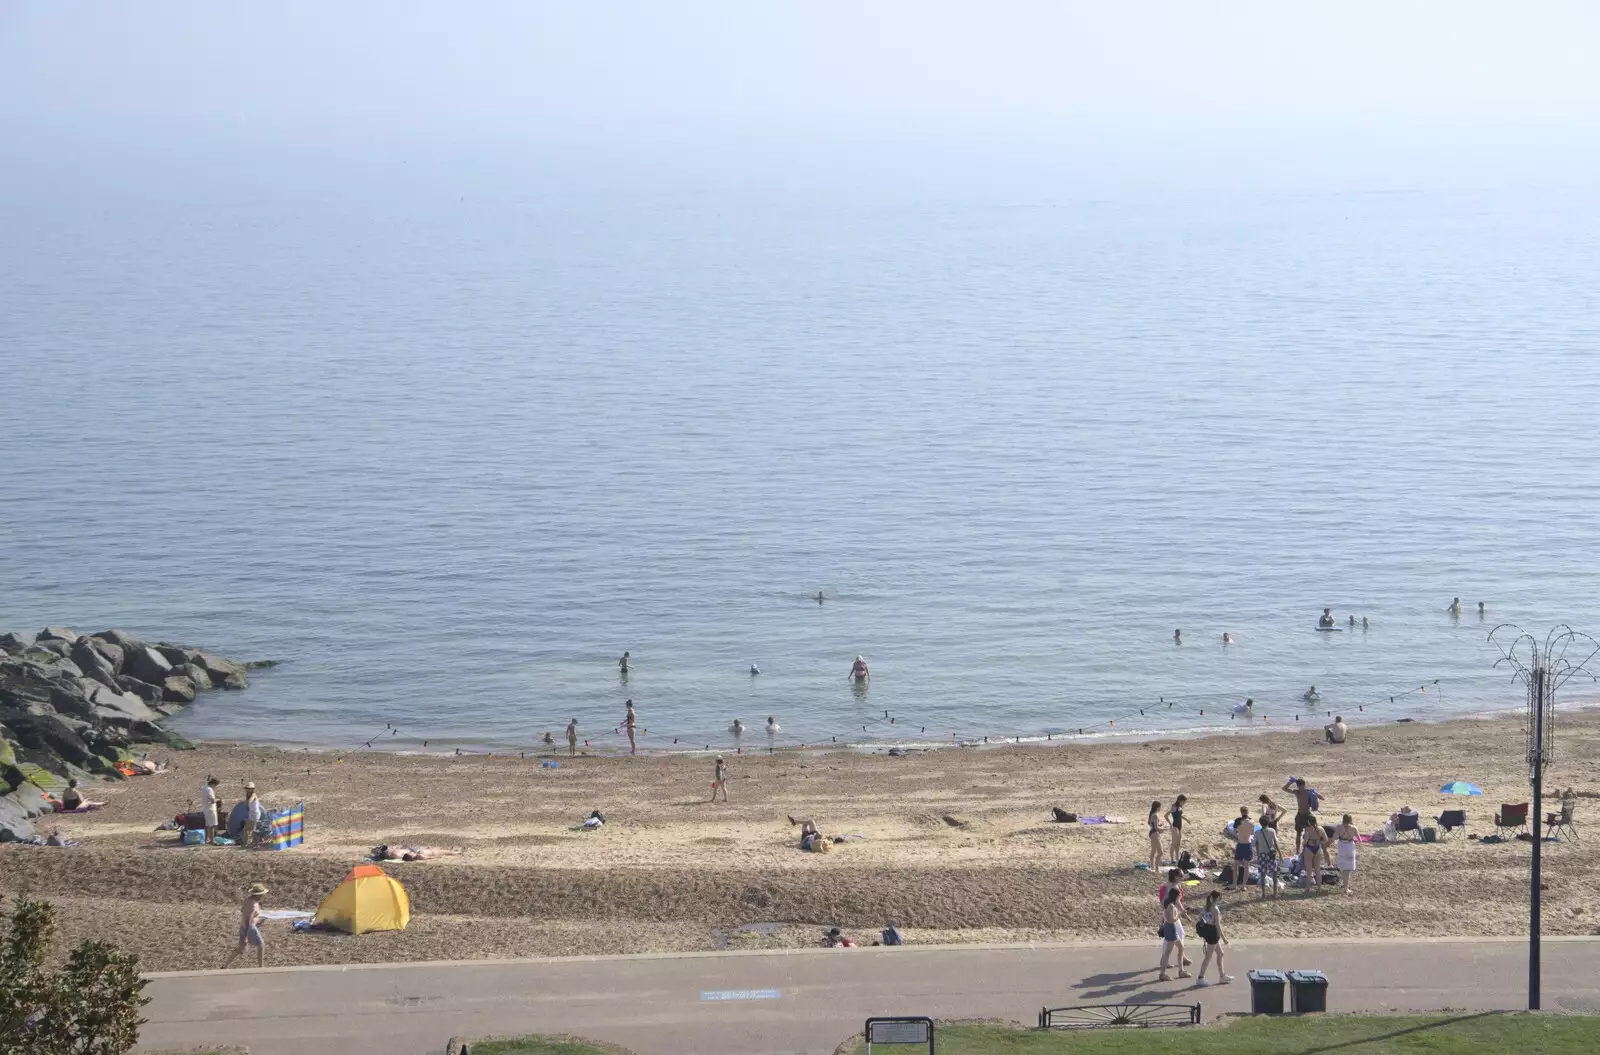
(258, 890)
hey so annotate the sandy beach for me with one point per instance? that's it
(955, 845)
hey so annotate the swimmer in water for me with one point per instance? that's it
(1483, 609)
(754, 670)
(1311, 695)
(1363, 622)
(1177, 637)
(859, 671)
(1327, 618)
(1247, 708)
(737, 729)
(1226, 640)
(1352, 620)
(1455, 607)
(773, 728)
(819, 597)
(624, 665)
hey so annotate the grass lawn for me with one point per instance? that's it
(543, 1046)
(1493, 1033)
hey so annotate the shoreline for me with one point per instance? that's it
(954, 846)
(879, 747)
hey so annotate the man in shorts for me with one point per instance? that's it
(1265, 841)
(1302, 808)
(250, 926)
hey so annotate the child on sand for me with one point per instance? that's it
(250, 926)
(1209, 928)
(720, 780)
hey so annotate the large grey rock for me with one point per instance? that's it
(196, 674)
(22, 684)
(15, 642)
(121, 638)
(51, 663)
(54, 644)
(47, 740)
(177, 690)
(143, 689)
(147, 664)
(93, 664)
(235, 682)
(120, 708)
(177, 655)
(58, 633)
(14, 822)
(217, 667)
(111, 651)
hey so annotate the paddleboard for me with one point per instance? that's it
(1330, 629)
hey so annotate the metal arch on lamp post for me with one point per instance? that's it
(1543, 667)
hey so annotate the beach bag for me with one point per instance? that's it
(891, 936)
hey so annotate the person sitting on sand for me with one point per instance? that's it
(832, 938)
(859, 671)
(72, 800)
(1335, 733)
(1326, 619)
(594, 821)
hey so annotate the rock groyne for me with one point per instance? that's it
(73, 704)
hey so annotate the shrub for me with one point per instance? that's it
(89, 1006)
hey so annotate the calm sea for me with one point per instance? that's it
(448, 456)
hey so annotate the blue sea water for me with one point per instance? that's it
(448, 456)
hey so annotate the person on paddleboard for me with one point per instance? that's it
(1326, 622)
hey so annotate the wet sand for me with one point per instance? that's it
(957, 845)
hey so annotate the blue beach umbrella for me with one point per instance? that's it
(1460, 787)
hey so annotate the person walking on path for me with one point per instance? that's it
(250, 927)
(1156, 828)
(1346, 836)
(1209, 927)
(1265, 841)
(572, 738)
(1171, 935)
(208, 808)
(1175, 822)
(630, 721)
(720, 780)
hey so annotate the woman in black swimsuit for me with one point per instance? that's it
(1175, 819)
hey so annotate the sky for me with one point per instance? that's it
(1484, 77)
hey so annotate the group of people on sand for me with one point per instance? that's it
(245, 820)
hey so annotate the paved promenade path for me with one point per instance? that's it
(806, 1000)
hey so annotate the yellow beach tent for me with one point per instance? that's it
(368, 899)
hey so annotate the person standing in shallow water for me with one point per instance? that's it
(572, 738)
(859, 672)
(631, 722)
(624, 665)
(1177, 637)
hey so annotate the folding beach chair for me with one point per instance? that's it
(1512, 817)
(1408, 822)
(1450, 820)
(1557, 823)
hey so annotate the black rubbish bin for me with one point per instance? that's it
(1308, 991)
(1266, 992)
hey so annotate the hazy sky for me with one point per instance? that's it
(315, 69)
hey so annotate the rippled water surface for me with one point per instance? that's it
(448, 458)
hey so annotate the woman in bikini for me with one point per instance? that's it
(1156, 828)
